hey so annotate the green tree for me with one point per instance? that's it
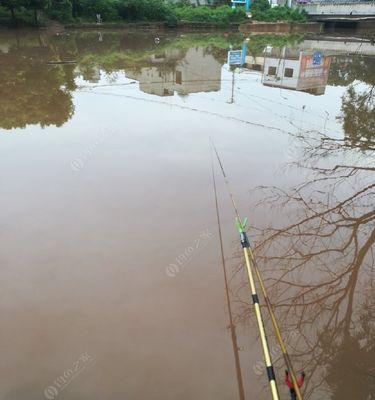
(37, 5)
(12, 6)
(61, 10)
(149, 10)
(76, 8)
(106, 8)
(260, 5)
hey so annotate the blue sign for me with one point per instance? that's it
(238, 57)
(317, 58)
(235, 57)
(245, 3)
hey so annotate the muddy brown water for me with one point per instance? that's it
(111, 284)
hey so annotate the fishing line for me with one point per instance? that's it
(216, 114)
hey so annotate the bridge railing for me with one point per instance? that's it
(333, 2)
(338, 7)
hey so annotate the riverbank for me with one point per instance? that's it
(156, 26)
(247, 27)
(144, 13)
(281, 27)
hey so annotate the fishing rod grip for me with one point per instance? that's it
(244, 240)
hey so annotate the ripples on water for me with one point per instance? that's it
(110, 279)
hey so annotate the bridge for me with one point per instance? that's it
(348, 10)
(338, 45)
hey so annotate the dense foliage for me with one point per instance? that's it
(34, 6)
(262, 11)
(140, 10)
(116, 10)
(223, 15)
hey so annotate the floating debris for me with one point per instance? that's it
(61, 62)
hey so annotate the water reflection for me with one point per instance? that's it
(320, 264)
(31, 91)
(35, 92)
(296, 70)
(81, 228)
(358, 103)
(291, 68)
(182, 72)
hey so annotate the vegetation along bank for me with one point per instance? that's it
(41, 12)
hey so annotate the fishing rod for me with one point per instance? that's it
(262, 332)
(251, 262)
(241, 392)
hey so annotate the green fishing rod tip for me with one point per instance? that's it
(241, 225)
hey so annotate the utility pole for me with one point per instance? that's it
(232, 97)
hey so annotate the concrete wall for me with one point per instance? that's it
(279, 79)
(337, 9)
(281, 27)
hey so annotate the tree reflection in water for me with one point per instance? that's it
(358, 103)
(33, 92)
(319, 264)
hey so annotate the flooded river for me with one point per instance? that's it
(111, 282)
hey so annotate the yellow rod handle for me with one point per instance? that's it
(263, 337)
(277, 329)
